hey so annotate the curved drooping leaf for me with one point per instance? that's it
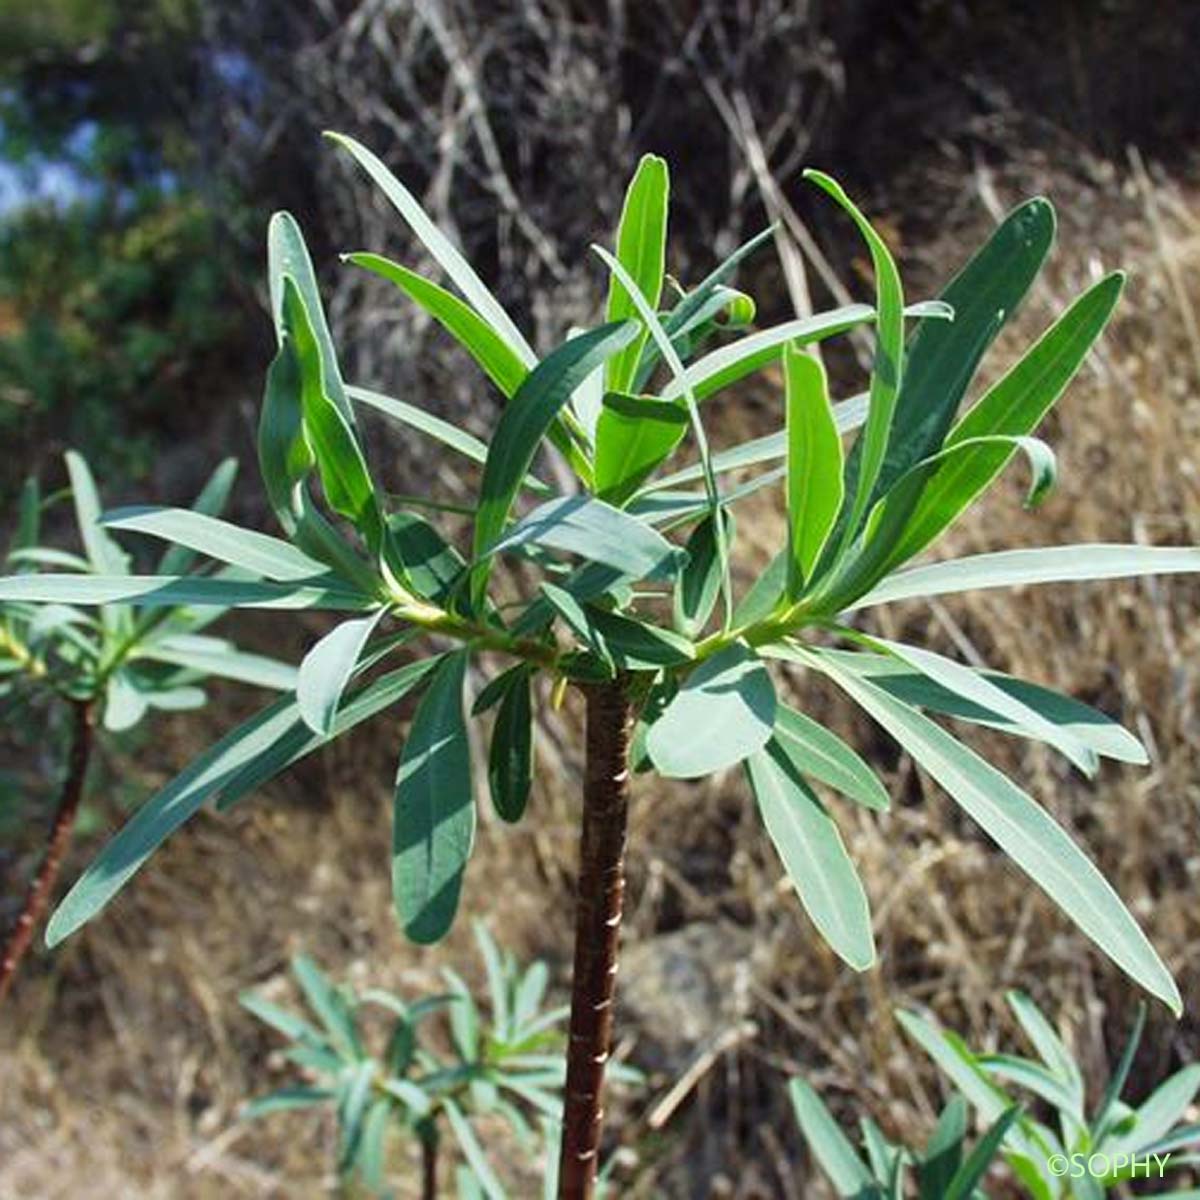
(510, 758)
(641, 250)
(1015, 406)
(440, 247)
(812, 853)
(327, 668)
(433, 821)
(1094, 729)
(724, 712)
(1045, 564)
(270, 557)
(634, 434)
(814, 465)
(816, 751)
(1020, 827)
(888, 369)
(523, 425)
(596, 531)
(500, 362)
(242, 760)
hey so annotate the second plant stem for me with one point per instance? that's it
(597, 932)
(40, 890)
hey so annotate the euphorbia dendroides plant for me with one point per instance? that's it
(673, 667)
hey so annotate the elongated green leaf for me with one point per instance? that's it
(1095, 730)
(943, 1154)
(328, 1005)
(440, 247)
(260, 553)
(888, 368)
(812, 853)
(286, 1100)
(1110, 1101)
(285, 458)
(579, 620)
(1021, 828)
(830, 1146)
(103, 553)
(472, 1151)
(433, 822)
(427, 423)
(372, 1155)
(340, 461)
(211, 656)
(1015, 406)
(724, 712)
(972, 1171)
(942, 358)
(634, 434)
(598, 532)
(719, 368)
(1047, 1043)
(814, 462)
(510, 760)
(886, 525)
(211, 501)
(1159, 1112)
(636, 645)
(1046, 564)
(282, 1020)
(1034, 1077)
(500, 362)
(150, 591)
(641, 250)
(976, 688)
(814, 750)
(242, 760)
(699, 583)
(288, 257)
(523, 425)
(327, 668)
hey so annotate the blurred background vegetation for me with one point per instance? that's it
(142, 148)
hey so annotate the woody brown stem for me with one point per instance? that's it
(42, 887)
(597, 932)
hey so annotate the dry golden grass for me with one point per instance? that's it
(123, 1061)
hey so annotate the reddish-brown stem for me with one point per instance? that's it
(597, 932)
(40, 890)
(429, 1157)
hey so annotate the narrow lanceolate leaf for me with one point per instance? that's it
(596, 531)
(942, 356)
(103, 553)
(242, 760)
(270, 557)
(1099, 732)
(1166, 1105)
(158, 591)
(812, 853)
(340, 461)
(977, 688)
(433, 824)
(641, 250)
(1021, 828)
(885, 527)
(1047, 1043)
(212, 656)
(525, 422)
(634, 434)
(510, 760)
(724, 711)
(889, 354)
(1046, 564)
(446, 254)
(699, 583)
(830, 1146)
(288, 257)
(814, 751)
(1015, 406)
(327, 668)
(972, 1171)
(500, 362)
(814, 464)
